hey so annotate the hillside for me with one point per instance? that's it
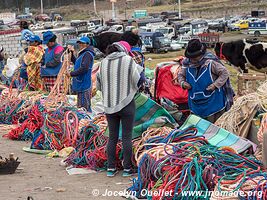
(79, 9)
(192, 8)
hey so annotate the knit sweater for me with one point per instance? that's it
(117, 80)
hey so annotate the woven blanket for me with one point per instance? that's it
(149, 114)
(31, 59)
(218, 136)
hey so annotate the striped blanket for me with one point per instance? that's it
(149, 114)
(218, 136)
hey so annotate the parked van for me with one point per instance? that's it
(258, 28)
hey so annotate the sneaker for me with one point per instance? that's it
(128, 172)
(111, 172)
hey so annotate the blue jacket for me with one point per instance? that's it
(48, 70)
(83, 81)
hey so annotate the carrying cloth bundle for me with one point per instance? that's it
(31, 59)
(218, 136)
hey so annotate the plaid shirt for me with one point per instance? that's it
(31, 59)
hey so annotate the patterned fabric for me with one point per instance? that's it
(49, 82)
(32, 59)
(138, 58)
(84, 100)
(217, 136)
(149, 114)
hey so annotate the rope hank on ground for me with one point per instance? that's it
(181, 161)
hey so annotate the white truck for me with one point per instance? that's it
(152, 27)
(168, 32)
(116, 28)
(258, 28)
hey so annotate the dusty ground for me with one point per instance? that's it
(41, 177)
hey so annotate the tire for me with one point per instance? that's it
(257, 33)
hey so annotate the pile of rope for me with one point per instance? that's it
(90, 151)
(232, 119)
(60, 129)
(181, 161)
(15, 107)
(29, 127)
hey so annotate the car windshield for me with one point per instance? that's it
(162, 30)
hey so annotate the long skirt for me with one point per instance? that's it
(84, 100)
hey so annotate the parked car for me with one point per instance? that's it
(183, 30)
(43, 17)
(175, 45)
(217, 25)
(88, 34)
(48, 25)
(91, 26)
(100, 29)
(24, 17)
(155, 42)
(4, 27)
(184, 39)
(242, 24)
(233, 27)
(56, 17)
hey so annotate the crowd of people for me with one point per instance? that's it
(120, 77)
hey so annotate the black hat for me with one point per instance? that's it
(195, 48)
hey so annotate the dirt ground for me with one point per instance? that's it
(44, 179)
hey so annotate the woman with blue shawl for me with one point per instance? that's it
(207, 80)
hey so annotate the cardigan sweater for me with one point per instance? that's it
(118, 80)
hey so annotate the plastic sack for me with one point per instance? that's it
(11, 66)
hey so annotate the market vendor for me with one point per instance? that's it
(207, 82)
(32, 63)
(82, 74)
(119, 79)
(25, 34)
(52, 60)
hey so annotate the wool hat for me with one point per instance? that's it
(47, 36)
(35, 38)
(195, 48)
(85, 40)
(123, 46)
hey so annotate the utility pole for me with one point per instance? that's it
(180, 15)
(95, 7)
(42, 8)
(125, 12)
(113, 9)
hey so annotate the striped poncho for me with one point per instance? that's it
(117, 79)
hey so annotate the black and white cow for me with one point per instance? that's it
(244, 54)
